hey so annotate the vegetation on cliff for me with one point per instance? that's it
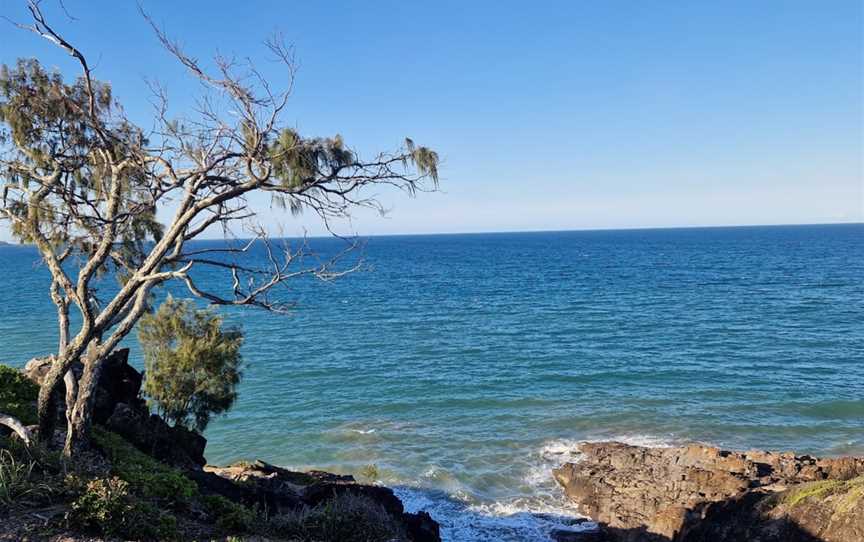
(117, 491)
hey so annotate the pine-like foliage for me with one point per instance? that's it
(192, 363)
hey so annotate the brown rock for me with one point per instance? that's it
(680, 493)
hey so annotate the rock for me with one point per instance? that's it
(421, 527)
(37, 368)
(279, 490)
(700, 493)
(152, 435)
(566, 535)
(210, 483)
(119, 407)
(118, 383)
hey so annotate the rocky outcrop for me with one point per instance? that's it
(119, 407)
(119, 382)
(149, 433)
(699, 493)
(279, 490)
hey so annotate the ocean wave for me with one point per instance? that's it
(530, 517)
(505, 522)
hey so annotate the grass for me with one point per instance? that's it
(344, 518)
(229, 516)
(18, 479)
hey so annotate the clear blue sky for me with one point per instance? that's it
(548, 115)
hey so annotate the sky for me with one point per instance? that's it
(547, 115)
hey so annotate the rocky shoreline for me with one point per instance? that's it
(692, 493)
(256, 485)
(699, 493)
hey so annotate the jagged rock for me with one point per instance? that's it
(421, 527)
(118, 383)
(210, 483)
(278, 490)
(119, 407)
(152, 435)
(698, 493)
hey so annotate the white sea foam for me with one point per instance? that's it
(506, 522)
(530, 517)
(362, 431)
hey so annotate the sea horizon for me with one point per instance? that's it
(504, 232)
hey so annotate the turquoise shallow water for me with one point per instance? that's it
(466, 366)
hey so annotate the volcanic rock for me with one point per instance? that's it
(700, 493)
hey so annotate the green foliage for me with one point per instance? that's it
(345, 518)
(46, 122)
(228, 516)
(146, 476)
(18, 395)
(108, 506)
(105, 504)
(130, 504)
(192, 364)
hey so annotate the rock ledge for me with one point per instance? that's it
(699, 493)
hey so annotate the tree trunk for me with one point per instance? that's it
(81, 417)
(46, 405)
(71, 384)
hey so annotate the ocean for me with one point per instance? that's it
(464, 367)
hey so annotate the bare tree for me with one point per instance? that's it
(84, 185)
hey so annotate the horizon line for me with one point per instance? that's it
(613, 228)
(505, 232)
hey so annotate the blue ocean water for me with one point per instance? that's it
(464, 367)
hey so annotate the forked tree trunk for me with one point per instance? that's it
(71, 385)
(81, 416)
(46, 403)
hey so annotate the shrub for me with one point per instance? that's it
(18, 395)
(228, 516)
(345, 518)
(192, 364)
(105, 505)
(108, 507)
